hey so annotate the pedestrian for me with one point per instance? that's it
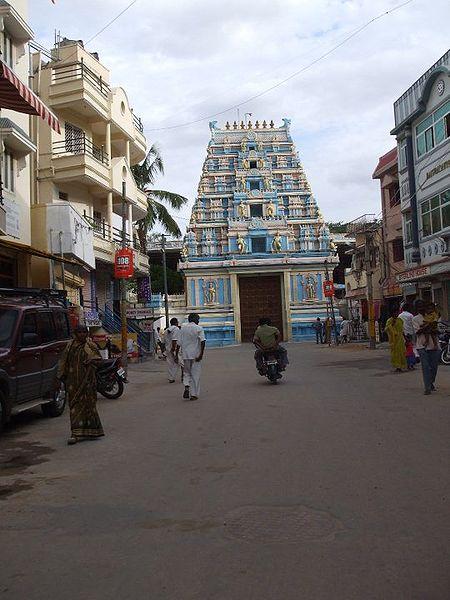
(394, 331)
(171, 338)
(160, 342)
(76, 370)
(410, 354)
(407, 317)
(318, 329)
(192, 343)
(427, 347)
(345, 330)
(328, 331)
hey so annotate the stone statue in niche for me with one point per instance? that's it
(242, 210)
(276, 243)
(241, 245)
(210, 292)
(267, 184)
(184, 252)
(245, 164)
(244, 146)
(240, 184)
(310, 285)
(270, 211)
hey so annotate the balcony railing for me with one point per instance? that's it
(137, 122)
(105, 231)
(80, 146)
(78, 70)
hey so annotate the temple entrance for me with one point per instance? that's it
(260, 296)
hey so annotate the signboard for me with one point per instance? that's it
(132, 345)
(146, 326)
(328, 289)
(123, 264)
(142, 312)
(12, 218)
(413, 274)
(92, 318)
(144, 290)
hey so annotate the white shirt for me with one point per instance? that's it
(417, 322)
(171, 334)
(191, 338)
(407, 319)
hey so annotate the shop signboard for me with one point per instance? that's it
(328, 289)
(123, 264)
(413, 274)
(141, 312)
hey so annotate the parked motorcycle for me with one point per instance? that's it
(444, 347)
(271, 367)
(110, 378)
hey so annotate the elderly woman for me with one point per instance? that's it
(76, 370)
(394, 331)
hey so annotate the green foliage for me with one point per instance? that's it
(337, 227)
(175, 283)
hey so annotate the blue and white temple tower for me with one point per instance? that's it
(257, 243)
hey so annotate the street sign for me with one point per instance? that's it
(123, 264)
(328, 289)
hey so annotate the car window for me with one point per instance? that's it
(8, 320)
(62, 325)
(46, 327)
(29, 326)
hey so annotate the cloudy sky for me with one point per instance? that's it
(184, 60)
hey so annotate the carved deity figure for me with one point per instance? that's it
(184, 252)
(241, 245)
(270, 211)
(210, 292)
(267, 184)
(245, 164)
(240, 184)
(276, 243)
(244, 145)
(242, 210)
(310, 285)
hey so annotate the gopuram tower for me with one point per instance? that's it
(256, 244)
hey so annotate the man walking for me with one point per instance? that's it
(171, 338)
(192, 343)
(318, 329)
(427, 346)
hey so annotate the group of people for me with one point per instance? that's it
(413, 338)
(323, 329)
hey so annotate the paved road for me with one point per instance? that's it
(333, 485)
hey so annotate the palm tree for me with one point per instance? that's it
(157, 211)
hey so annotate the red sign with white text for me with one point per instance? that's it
(328, 289)
(124, 264)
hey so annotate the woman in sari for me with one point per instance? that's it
(76, 370)
(394, 331)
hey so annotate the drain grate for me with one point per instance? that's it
(281, 524)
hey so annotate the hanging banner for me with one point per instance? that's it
(123, 264)
(144, 291)
(328, 289)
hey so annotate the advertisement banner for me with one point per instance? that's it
(144, 290)
(123, 264)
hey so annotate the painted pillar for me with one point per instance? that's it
(235, 301)
(286, 305)
(127, 151)
(319, 286)
(109, 214)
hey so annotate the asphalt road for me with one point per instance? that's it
(332, 485)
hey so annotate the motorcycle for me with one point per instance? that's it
(444, 347)
(110, 378)
(271, 367)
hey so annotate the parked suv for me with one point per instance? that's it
(34, 330)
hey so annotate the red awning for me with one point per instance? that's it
(15, 95)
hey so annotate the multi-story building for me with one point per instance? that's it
(257, 244)
(422, 129)
(16, 151)
(392, 256)
(81, 174)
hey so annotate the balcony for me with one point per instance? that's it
(121, 172)
(80, 159)
(76, 86)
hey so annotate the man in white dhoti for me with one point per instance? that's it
(192, 343)
(171, 337)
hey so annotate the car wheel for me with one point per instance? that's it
(56, 407)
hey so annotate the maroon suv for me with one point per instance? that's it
(34, 330)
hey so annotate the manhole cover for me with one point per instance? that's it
(281, 524)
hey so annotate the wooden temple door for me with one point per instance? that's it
(260, 296)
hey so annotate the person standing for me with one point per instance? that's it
(427, 346)
(318, 329)
(328, 331)
(76, 369)
(192, 343)
(394, 331)
(171, 338)
(345, 330)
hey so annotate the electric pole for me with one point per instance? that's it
(370, 309)
(123, 286)
(333, 316)
(166, 295)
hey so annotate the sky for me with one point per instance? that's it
(184, 60)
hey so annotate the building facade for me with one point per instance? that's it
(17, 150)
(257, 244)
(422, 129)
(81, 174)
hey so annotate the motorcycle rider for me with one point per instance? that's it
(267, 339)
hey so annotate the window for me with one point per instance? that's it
(254, 185)
(28, 326)
(75, 139)
(402, 154)
(408, 229)
(258, 244)
(256, 210)
(62, 325)
(8, 320)
(8, 50)
(397, 250)
(253, 164)
(435, 214)
(46, 327)
(394, 195)
(433, 130)
(8, 171)
(63, 196)
(252, 146)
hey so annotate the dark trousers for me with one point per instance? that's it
(429, 359)
(319, 337)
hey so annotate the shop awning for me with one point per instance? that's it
(15, 95)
